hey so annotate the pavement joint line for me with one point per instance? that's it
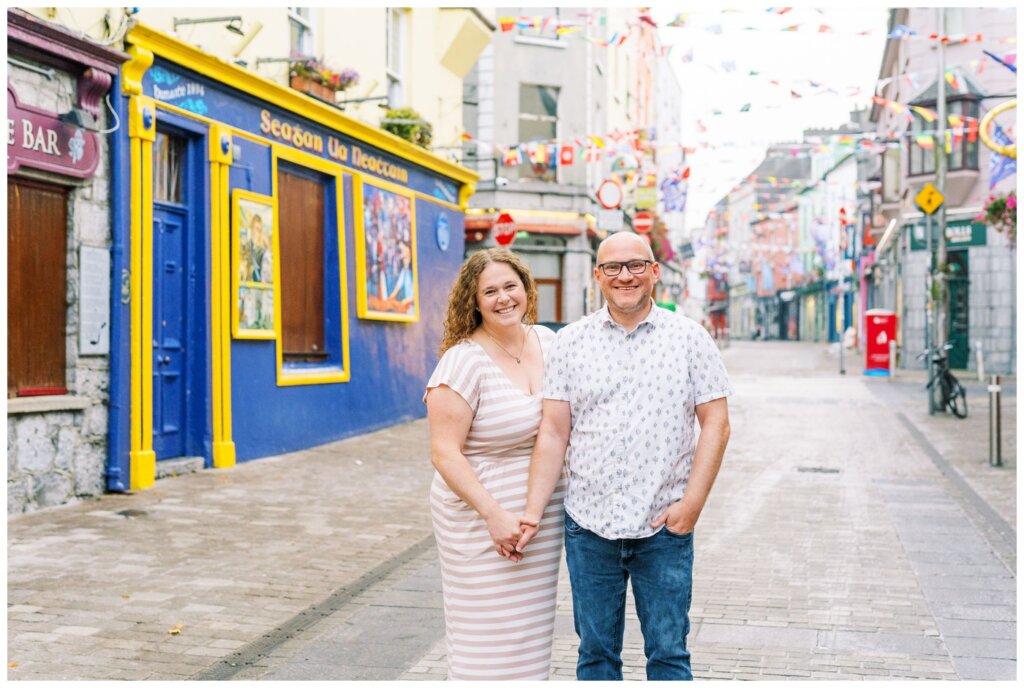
(993, 519)
(249, 654)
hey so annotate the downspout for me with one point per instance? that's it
(119, 403)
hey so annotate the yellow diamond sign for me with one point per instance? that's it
(929, 199)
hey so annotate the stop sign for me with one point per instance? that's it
(504, 229)
(643, 222)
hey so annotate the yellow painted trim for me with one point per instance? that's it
(223, 445)
(320, 375)
(465, 192)
(133, 70)
(362, 308)
(291, 100)
(238, 195)
(142, 458)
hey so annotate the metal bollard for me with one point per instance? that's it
(995, 430)
(981, 360)
(892, 359)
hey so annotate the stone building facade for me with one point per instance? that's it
(57, 431)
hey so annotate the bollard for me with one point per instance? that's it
(995, 430)
(892, 359)
(980, 355)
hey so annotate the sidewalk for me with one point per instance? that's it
(835, 545)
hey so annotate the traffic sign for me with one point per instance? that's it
(609, 220)
(504, 229)
(643, 222)
(929, 198)
(609, 194)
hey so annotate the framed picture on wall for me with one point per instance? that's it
(386, 253)
(254, 248)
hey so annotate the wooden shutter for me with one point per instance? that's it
(36, 283)
(301, 223)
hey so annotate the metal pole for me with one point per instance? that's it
(928, 314)
(995, 430)
(941, 162)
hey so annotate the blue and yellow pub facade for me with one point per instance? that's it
(281, 270)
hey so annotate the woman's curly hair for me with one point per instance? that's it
(462, 316)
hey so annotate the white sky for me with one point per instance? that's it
(839, 59)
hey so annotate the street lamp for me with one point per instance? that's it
(234, 23)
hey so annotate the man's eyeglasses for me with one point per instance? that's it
(636, 267)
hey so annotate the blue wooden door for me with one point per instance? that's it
(172, 266)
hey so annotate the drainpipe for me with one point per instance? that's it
(118, 408)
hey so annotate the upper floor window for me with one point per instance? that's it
(538, 128)
(395, 56)
(300, 25)
(964, 154)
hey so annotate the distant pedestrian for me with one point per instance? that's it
(484, 408)
(621, 390)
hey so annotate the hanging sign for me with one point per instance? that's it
(646, 197)
(609, 194)
(609, 220)
(643, 223)
(38, 139)
(929, 198)
(504, 229)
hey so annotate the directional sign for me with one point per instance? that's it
(643, 223)
(929, 199)
(504, 229)
(609, 194)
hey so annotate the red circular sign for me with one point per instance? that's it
(609, 194)
(504, 229)
(643, 222)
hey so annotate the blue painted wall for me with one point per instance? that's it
(389, 361)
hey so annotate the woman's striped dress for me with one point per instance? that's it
(499, 615)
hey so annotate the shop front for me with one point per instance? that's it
(285, 268)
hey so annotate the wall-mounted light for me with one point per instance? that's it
(353, 101)
(79, 117)
(234, 24)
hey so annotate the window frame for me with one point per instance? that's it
(336, 324)
(526, 169)
(921, 162)
(395, 72)
(306, 29)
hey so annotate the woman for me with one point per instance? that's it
(484, 408)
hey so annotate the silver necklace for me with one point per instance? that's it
(518, 359)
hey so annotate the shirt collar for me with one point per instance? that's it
(654, 317)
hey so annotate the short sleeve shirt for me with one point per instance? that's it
(632, 397)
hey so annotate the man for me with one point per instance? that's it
(622, 387)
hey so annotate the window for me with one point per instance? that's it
(891, 175)
(36, 283)
(301, 225)
(395, 54)
(965, 140)
(168, 168)
(300, 25)
(538, 127)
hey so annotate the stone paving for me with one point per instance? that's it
(837, 544)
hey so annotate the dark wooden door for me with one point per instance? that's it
(36, 285)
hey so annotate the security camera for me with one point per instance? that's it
(500, 181)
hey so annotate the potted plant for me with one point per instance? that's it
(406, 123)
(1000, 212)
(313, 77)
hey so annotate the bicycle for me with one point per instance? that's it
(954, 396)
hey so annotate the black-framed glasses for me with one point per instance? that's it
(635, 267)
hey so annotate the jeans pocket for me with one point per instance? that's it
(678, 535)
(571, 526)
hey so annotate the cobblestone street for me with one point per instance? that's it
(849, 536)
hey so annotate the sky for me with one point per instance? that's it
(713, 56)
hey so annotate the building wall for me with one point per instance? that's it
(57, 445)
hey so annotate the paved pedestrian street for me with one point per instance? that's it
(850, 535)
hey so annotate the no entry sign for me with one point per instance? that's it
(643, 223)
(504, 229)
(609, 194)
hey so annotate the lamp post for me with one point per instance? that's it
(941, 304)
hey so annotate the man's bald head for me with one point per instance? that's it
(625, 240)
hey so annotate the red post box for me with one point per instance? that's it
(879, 331)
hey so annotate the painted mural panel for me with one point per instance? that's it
(386, 255)
(254, 247)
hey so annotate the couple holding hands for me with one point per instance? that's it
(584, 439)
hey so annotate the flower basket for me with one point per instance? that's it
(312, 88)
(1000, 213)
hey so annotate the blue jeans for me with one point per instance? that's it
(661, 568)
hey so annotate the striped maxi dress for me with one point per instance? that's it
(499, 615)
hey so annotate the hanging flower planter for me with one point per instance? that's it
(312, 88)
(313, 78)
(1000, 213)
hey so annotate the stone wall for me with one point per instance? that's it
(57, 446)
